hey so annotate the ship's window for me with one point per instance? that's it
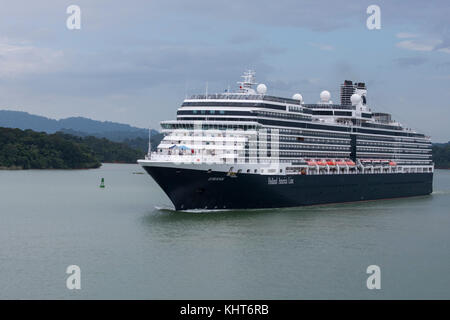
(281, 170)
(248, 170)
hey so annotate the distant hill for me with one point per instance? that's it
(136, 138)
(75, 125)
(139, 143)
(142, 143)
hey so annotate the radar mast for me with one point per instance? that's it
(245, 86)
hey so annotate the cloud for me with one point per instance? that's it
(441, 77)
(345, 69)
(292, 85)
(244, 38)
(419, 44)
(322, 46)
(409, 61)
(446, 50)
(406, 35)
(135, 70)
(314, 15)
(20, 59)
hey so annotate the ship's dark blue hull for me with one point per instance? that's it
(197, 189)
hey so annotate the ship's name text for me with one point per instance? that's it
(286, 180)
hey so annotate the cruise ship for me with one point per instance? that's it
(248, 149)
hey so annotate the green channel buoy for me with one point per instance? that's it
(102, 184)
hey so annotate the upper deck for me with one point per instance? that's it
(242, 96)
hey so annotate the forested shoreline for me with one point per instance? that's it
(27, 149)
(441, 156)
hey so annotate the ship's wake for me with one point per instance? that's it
(439, 192)
(171, 209)
(164, 208)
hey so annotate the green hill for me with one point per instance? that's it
(37, 150)
(441, 155)
(107, 151)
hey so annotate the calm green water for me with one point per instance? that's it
(128, 248)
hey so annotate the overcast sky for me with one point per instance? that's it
(135, 61)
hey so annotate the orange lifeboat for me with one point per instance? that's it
(331, 163)
(392, 163)
(350, 163)
(311, 163)
(340, 163)
(321, 163)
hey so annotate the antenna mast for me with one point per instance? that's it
(245, 86)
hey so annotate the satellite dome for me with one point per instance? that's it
(297, 96)
(355, 99)
(261, 88)
(325, 96)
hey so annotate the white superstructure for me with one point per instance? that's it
(252, 132)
